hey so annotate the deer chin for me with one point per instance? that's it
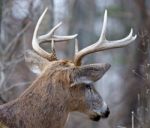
(97, 115)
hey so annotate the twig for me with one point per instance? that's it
(16, 85)
(3, 101)
(9, 75)
(14, 62)
(121, 127)
(132, 119)
(2, 78)
(2, 75)
(12, 45)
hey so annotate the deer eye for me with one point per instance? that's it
(88, 86)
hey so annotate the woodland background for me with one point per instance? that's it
(125, 87)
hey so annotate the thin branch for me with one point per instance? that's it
(3, 100)
(14, 62)
(11, 72)
(2, 75)
(8, 66)
(2, 78)
(16, 86)
(12, 87)
(13, 44)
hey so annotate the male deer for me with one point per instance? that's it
(62, 86)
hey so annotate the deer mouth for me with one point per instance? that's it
(95, 117)
(98, 115)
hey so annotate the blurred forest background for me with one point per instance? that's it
(125, 87)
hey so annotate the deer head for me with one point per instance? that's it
(70, 78)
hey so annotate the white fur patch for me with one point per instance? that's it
(102, 110)
(35, 69)
(82, 80)
(104, 107)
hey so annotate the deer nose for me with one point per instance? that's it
(106, 113)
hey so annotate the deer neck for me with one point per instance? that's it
(43, 105)
(22, 115)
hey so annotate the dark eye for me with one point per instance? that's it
(88, 86)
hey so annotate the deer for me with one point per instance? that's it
(62, 86)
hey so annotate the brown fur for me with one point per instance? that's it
(41, 101)
(47, 102)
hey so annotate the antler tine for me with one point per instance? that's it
(65, 37)
(46, 38)
(103, 44)
(35, 41)
(53, 48)
(102, 36)
(76, 46)
(50, 33)
(56, 38)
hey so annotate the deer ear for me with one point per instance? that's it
(89, 73)
(35, 62)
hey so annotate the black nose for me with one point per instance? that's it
(106, 113)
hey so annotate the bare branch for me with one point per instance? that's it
(13, 44)
(16, 86)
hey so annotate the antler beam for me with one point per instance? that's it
(103, 43)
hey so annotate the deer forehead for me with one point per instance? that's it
(59, 70)
(60, 64)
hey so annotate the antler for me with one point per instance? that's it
(103, 43)
(36, 41)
